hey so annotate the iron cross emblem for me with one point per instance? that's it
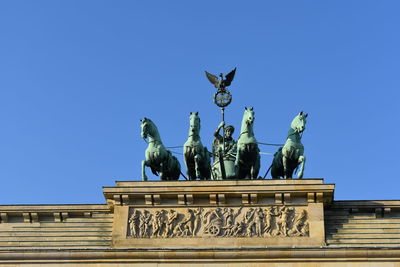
(222, 98)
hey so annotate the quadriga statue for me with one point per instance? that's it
(159, 159)
(288, 157)
(247, 162)
(195, 155)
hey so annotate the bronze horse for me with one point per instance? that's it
(289, 157)
(196, 156)
(159, 159)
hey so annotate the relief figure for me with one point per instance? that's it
(159, 223)
(299, 223)
(238, 229)
(283, 221)
(229, 218)
(133, 221)
(213, 222)
(197, 220)
(171, 220)
(145, 223)
(185, 227)
(259, 221)
(250, 222)
(269, 220)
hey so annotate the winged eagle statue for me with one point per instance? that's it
(221, 83)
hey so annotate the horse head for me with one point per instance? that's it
(144, 126)
(248, 116)
(299, 122)
(194, 123)
(148, 128)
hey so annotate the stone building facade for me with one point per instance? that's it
(194, 223)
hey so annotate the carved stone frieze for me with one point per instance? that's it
(270, 221)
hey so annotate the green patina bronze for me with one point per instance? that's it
(232, 160)
(224, 151)
(247, 163)
(227, 144)
(289, 157)
(159, 159)
(195, 155)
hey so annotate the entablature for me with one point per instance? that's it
(221, 193)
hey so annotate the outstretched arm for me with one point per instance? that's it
(216, 133)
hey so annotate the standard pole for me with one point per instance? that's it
(222, 151)
(223, 129)
(222, 164)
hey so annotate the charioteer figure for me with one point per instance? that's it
(230, 144)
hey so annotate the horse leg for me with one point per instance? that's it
(255, 169)
(162, 172)
(286, 167)
(237, 162)
(290, 172)
(144, 163)
(186, 161)
(197, 162)
(302, 161)
(207, 164)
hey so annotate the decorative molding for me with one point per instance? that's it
(278, 198)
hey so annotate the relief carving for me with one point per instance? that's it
(159, 222)
(171, 222)
(133, 223)
(213, 222)
(283, 220)
(230, 221)
(273, 221)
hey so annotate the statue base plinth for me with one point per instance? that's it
(219, 214)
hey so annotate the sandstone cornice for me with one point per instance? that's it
(227, 255)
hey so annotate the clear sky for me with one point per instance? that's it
(77, 76)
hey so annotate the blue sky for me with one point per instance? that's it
(77, 76)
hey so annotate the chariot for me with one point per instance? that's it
(214, 228)
(228, 167)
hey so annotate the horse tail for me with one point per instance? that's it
(207, 154)
(176, 168)
(276, 163)
(207, 162)
(173, 170)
